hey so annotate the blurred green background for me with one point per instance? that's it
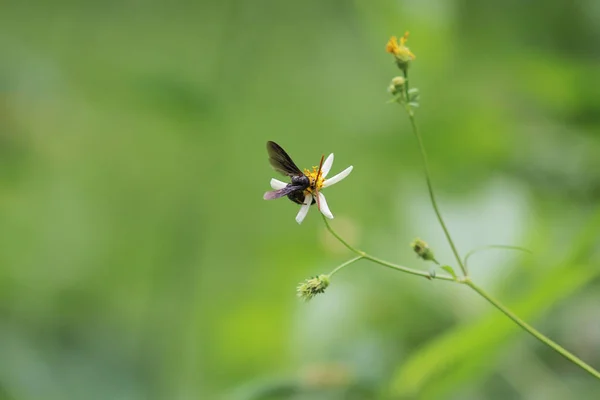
(139, 260)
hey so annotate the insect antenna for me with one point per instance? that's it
(317, 180)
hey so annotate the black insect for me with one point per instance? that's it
(282, 162)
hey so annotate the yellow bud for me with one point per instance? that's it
(401, 53)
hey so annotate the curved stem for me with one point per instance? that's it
(379, 261)
(351, 261)
(413, 123)
(493, 246)
(534, 332)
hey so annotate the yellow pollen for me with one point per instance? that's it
(392, 45)
(316, 182)
(404, 38)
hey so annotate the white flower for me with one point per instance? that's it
(316, 184)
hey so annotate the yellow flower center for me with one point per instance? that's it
(316, 182)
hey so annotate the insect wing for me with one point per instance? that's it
(275, 194)
(280, 160)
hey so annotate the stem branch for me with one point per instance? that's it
(351, 261)
(362, 254)
(534, 332)
(467, 281)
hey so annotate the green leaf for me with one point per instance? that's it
(450, 270)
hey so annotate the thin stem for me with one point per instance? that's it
(537, 334)
(413, 123)
(406, 83)
(379, 261)
(407, 270)
(351, 261)
(493, 246)
(341, 240)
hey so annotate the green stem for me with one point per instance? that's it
(379, 261)
(413, 123)
(351, 261)
(534, 332)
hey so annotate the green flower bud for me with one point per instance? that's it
(422, 249)
(396, 88)
(399, 81)
(311, 287)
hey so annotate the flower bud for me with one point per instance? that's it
(422, 250)
(396, 88)
(311, 287)
(399, 81)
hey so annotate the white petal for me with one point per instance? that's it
(323, 207)
(277, 184)
(335, 179)
(327, 165)
(304, 209)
